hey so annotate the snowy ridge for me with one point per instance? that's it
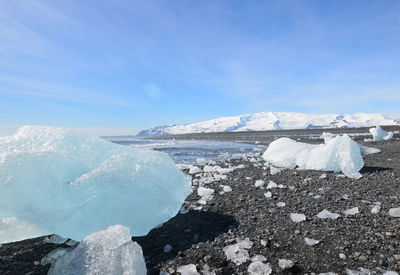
(275, 121)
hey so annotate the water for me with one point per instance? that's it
(193, 151)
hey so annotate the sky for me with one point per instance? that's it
(115, 67)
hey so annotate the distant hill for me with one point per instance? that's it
(274, 121)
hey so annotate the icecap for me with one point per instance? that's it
(378, 134)
(325, 214)
(109, 251)
(237, 253)
(340, 153)
(72, 184)
(297, 217)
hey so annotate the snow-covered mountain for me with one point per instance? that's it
(275, 121)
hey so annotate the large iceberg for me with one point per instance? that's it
(72, 184)
(109, 251)
(378, 134)
(339, 153)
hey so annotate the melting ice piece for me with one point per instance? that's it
(189, 269)
(394, 212)
(72, 184)
(351, 211)
(340, 153)
(237, 253)
(376, 208)
(259, 268)
(325, 214)
(378, 134)
(311, 242)
(285, 264)
(110, 251)
(259, 183)
(297, 217)
(206, 194)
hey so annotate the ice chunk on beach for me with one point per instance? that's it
(378, 134)
(72, 184)
(311, 242)
(351, 211)
(394, 212)
(109, 251)
(325, 214)
(259, 183)
(189, 269)
(340, 153)
(285, 263)
(295, 217)
(259, 268)
(237, 253)
(206, 194)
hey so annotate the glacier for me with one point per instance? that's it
(108, 251)
(73, 184)
(265, 121)
(339, 153)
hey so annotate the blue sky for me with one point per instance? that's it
(115, 67)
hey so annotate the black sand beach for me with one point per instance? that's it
(363, 240)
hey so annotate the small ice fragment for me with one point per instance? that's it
(345, 197)
(295, 217)
(342, 256)
(376, 208)
(189, 269)
(56, 239)
(311, 242)
(281, 186)
(259, 183)
(183, 211)
(285, 264)
(351, 211)
(194, 170)
(325, 214)
(273, 170)
(237, 253)
(206, 194)
(317, 197)
(259, 268)
(323, 176)
(281, 204)
(248, 178)
(394, 212)
(167, 248)
(389, 272)
(362, 271)
(226, 188)
(268, 195)
(271, 184)
(258, 258)
(263, 242)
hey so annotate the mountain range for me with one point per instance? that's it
(275, 121)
